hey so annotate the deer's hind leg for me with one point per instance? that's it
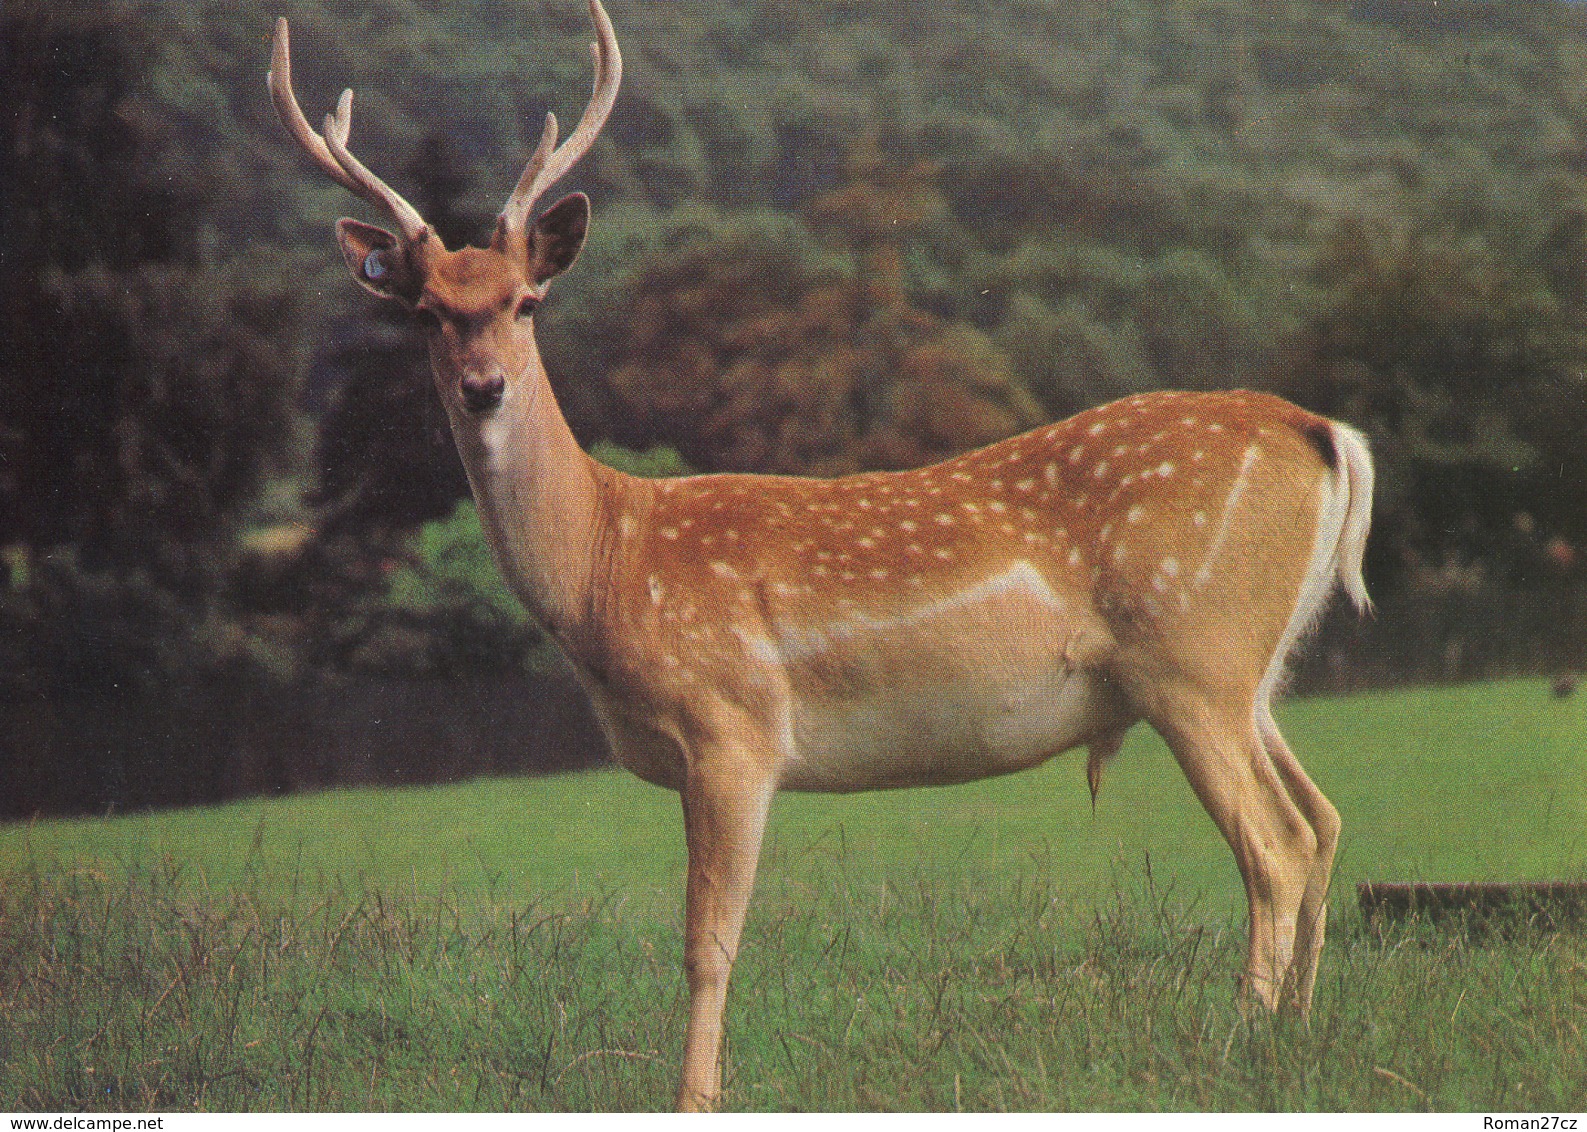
(1218, 745)
(1324, 820)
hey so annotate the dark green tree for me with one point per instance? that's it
(147, 392)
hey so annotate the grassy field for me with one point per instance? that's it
(515, 943)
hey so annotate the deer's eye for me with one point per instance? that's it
(527, 306)
(375, 268)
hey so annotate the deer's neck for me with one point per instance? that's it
(540, 501)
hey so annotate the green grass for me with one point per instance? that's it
(514, 943)
(1485, 782)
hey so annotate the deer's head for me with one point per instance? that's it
(477, 305)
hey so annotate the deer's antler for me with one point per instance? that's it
(330, 152)
(550, 162)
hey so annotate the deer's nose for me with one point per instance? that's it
(482, 392)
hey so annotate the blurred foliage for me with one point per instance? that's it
(149, 383)
(450, 594)
(772, 360)
(828, 236)
(653, 463)
(1450, 356)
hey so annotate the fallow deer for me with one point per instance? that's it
(1153, 559)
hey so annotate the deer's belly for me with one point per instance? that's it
(963, 689)
(936, 734)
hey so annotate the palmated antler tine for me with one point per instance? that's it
(330, 152)
(279, 79)
(518, 204)
(551, 162)
(337, 128)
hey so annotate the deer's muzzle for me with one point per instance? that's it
(482, 392)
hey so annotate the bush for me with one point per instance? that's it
(749, 350)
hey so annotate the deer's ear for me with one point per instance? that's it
(557, 237)
(378, 261)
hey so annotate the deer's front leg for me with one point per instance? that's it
(726, 795)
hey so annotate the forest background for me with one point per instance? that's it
(235, 552)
